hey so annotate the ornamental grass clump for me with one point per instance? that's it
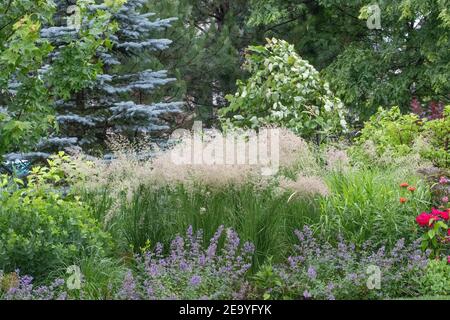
(369, 204)
(292, 152)
(302, 186)
(188, 271)
(112, 185)
(128, 167)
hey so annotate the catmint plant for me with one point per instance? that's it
(191, 271)
(319, 270)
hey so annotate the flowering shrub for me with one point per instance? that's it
(286, 91)
(435, 224)
(189, 271)
(321, 271)
(436, 231)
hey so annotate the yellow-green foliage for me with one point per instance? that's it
(390, 131)
(436, 280)
(40, 229)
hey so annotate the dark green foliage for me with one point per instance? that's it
(207, 50)
(367, 68)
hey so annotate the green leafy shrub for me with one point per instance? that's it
(40, 229)
(437, 134)
(392, 132)
(284, 90)
(436, 280)
(390, 129)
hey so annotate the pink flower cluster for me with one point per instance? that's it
(443, 181)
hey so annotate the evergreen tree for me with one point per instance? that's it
(208, 50)
(28, 85)
(122, 99)
(320, 29)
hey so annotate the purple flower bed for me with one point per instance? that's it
(220, 270)
(191, 272)
(321, 271)
(13, 286)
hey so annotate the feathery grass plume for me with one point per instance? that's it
(240, 165)
(337, 159)
(127, 170)
(113, 183)
(296, 154)
(305, 186)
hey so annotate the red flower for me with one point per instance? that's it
(435, 212)
(403, 200)
(404, 184)
(448, 232)
(448, 259)
(445, 215)
(440, 214)
(412, 189)
(423, 219)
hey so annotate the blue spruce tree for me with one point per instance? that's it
(124, 98)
